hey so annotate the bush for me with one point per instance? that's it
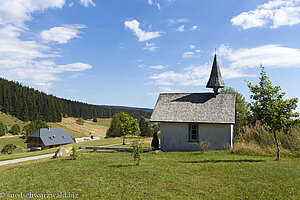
(95, 120)
(155, 141)
(8, 149)
(3, 129)
(15, 129)
(74, 153)
(204, 145)
(80, 121)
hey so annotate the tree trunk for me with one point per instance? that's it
(124, 140)
(277, 144)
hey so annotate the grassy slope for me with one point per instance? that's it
(10, 120)
(68, 124)
(88, 128)
(177, 175)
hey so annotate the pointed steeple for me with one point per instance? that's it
(215, 80)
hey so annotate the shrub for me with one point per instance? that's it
(80, 121)
(95, 120)
(15, 129)
(204, 145)
(74, 153)
(155, 141)
(3, 129)
(8, 149)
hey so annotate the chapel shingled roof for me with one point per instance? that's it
(195, 108)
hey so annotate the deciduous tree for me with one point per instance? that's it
(271, 109)
(242, 109)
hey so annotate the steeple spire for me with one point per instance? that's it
(215, 80)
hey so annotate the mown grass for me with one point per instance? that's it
(101, 142)
(164, 175)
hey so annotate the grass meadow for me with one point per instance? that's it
(161, 175)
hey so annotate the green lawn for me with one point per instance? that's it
(22, 154)
(164, 175)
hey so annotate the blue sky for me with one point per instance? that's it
(125, 52)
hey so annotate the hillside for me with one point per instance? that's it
(87, 129)
(68, 124)
(28, 104)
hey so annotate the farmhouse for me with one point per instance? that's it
(46, 138)
(189, 118)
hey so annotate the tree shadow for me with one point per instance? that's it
(120, 166)
(223, 161)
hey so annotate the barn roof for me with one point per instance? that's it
(195, 108)
(53, 136)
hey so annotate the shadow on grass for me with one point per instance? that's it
(120, 166)
(100, 151)
(223, 161)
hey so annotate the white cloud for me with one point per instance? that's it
(71, 4)
(158, 6)
(16, 12)
(28, 61)
(158, 3)
(181, 28)
(223, 50)
(158, 67)
(273, 14)
(193, 76)
(192, 46)
(179, 20)
(74, 67)
(61, 34)
(198, 50)
(134, 25)
(188, 54)
(150, 46)
(194, 28)
(269, 55)
(86, 3)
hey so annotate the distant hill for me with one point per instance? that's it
(127, 107)
(28, 104)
